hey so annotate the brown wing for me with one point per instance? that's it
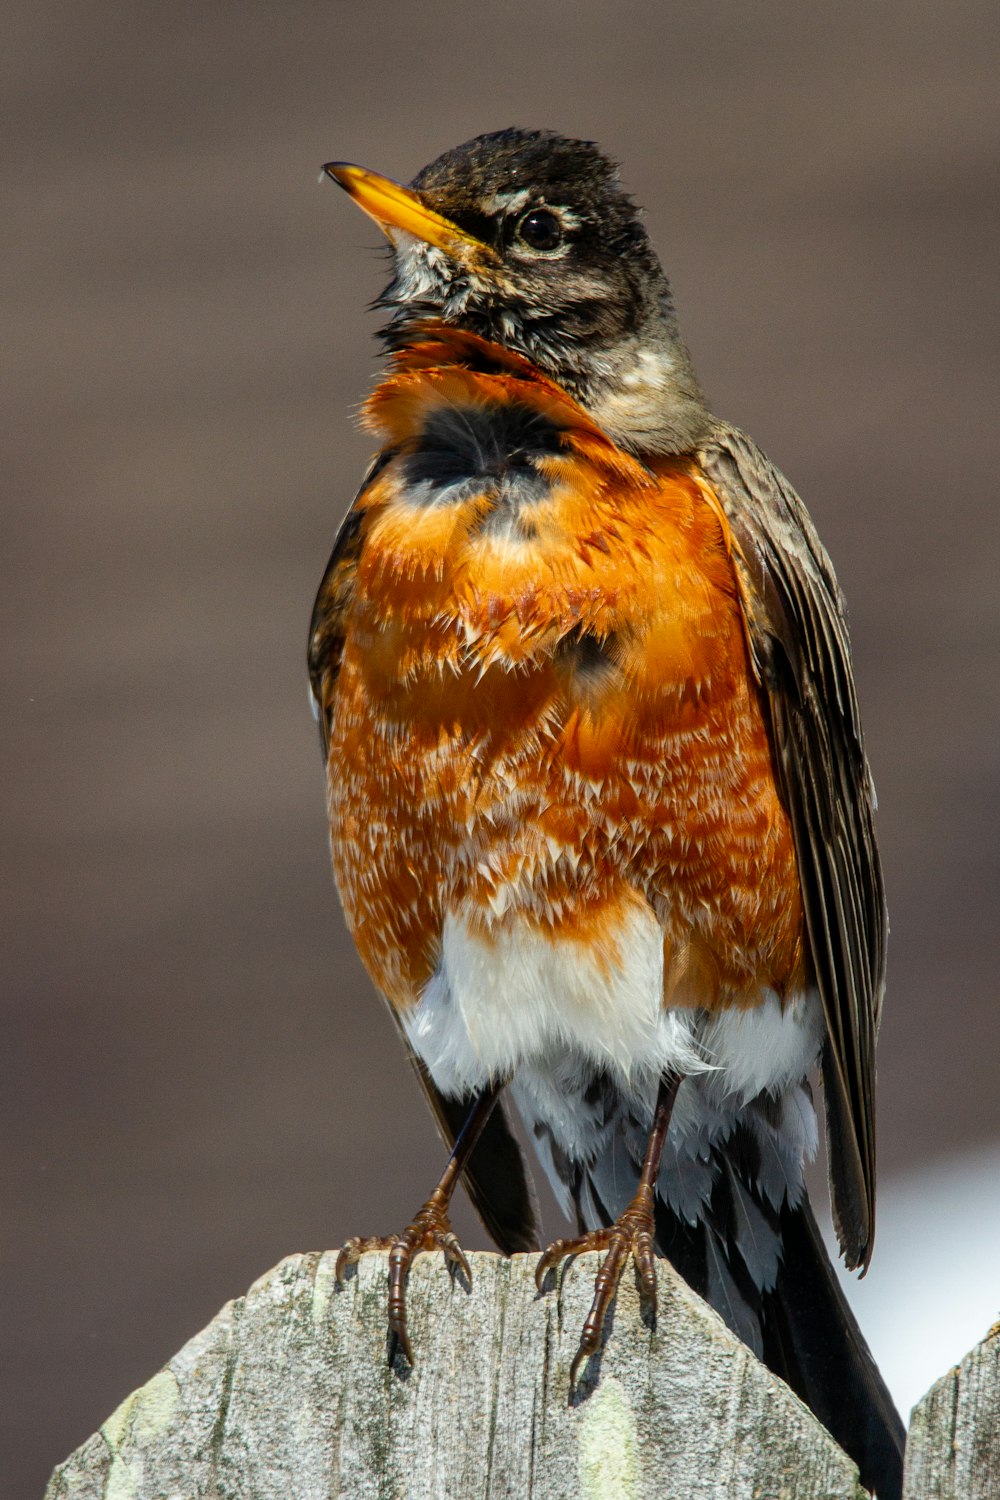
(497, 1178)
(333, 602)
(797, 631)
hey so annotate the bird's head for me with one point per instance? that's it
(527, 239)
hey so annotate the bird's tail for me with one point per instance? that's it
(811, 1339)
(799, 1324)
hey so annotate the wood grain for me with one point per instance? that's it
(287, 1395)
(953, 1447)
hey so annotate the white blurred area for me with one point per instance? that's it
(933, 1290)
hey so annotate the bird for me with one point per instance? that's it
(600, 811)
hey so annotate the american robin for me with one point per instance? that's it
(600, 812)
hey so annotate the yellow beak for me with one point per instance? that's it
(394, 207)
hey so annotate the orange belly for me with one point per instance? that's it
(546, 723)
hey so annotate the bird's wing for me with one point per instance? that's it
(798, 642)
(332, 606)
(496, 1178)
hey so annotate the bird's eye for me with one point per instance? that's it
(540, 229)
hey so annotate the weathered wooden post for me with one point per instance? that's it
(286, 1395)
(953, 1447)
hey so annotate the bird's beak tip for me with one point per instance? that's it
(396, 207)
(337, 171)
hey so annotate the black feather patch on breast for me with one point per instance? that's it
(590, 660)
(490, 449)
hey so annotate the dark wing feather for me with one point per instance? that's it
(333, 602)
(496, 1179)
(798, 640)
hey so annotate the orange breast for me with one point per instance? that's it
(544, 706)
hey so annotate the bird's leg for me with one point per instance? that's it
(631, 1233)
(431, 1228)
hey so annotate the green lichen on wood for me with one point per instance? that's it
(609, 1446)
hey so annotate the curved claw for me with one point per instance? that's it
(350, 1253)
(352, 1250)
(456, 1255)
(549, 1258)
(585, 1349)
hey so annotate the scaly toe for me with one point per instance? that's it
(560, 1250)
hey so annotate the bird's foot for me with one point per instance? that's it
(631, 1234)
(431, 1230)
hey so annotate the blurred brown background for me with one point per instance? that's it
(197, 1078)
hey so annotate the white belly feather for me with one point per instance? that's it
(528, 1004)
(522, 996)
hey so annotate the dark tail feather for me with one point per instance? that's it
(812, 1341)
(768, 1276)
(801, 1327)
